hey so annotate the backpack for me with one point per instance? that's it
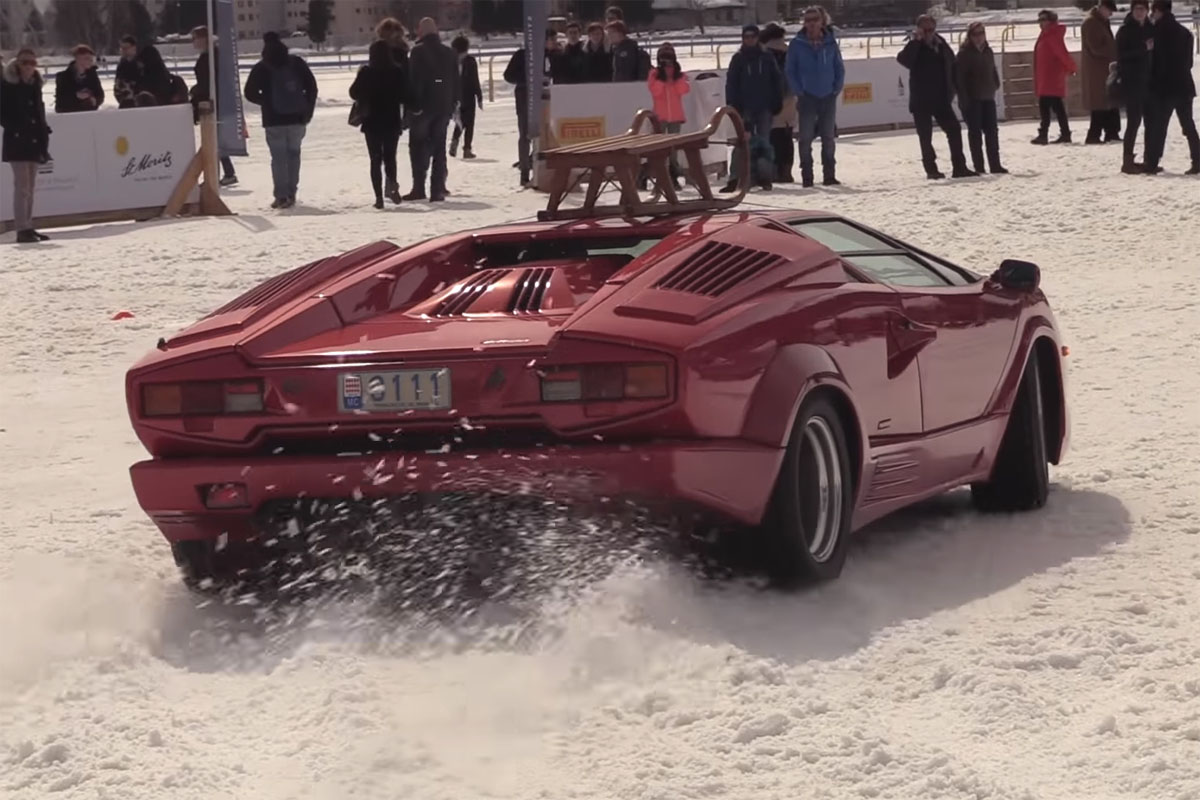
(287, 92)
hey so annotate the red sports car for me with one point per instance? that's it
(794, 374)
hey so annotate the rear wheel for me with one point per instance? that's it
(809, 523)
(200, 565)
(1020, 479)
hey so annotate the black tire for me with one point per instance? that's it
(199, 565)
(1020, 479)
(796, 504)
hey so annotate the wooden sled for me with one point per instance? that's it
(617, 160)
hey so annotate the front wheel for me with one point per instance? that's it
(1020, 479)
(808, 526)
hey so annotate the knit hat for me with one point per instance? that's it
(749, 30)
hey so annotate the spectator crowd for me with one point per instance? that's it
(786, 93)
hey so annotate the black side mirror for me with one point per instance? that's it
(1020, 276)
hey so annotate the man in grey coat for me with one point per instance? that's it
(434, 94)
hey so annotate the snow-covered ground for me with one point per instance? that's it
(1049, 656)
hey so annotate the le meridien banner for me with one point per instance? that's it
(109, 160)
(231, 119)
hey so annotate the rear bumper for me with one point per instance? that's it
(731, 478)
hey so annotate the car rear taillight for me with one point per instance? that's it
(590, 382)
(202, 398)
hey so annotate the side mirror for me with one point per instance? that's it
(1020, 276)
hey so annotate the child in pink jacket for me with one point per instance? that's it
(667, 86)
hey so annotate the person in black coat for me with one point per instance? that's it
(573, 63)
(200, 91)
(514, 74)
(284, 86)
(26, 142)
(1172, 88)
(77, 88)
(129, 73)
(629, 62)
(472, 96)
(379, 90)
(931, 83)
(433, 96)
(597, 60)
(392, 31)
(157, 81)
(1135, 40)
(754, 88)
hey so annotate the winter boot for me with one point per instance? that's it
(1063, 138)
(1040, 138)
(806, 178)
(378, 202)
(730, 187)
(468, 153)
(961, 171)
(998, 170)
(454, 144)
(27, 237)
(525, 177)
(392, 192)
(415, 194)
(1131, 167)
(831, 178)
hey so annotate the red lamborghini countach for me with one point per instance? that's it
(792, 374)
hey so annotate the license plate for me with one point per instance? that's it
(399, 390)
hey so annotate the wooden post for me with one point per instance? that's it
(210, 196)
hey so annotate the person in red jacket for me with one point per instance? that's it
(667, 86)
(1051, 66)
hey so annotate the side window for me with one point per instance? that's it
(897, 269)
(882, 260)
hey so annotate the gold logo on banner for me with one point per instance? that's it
(122, 145)
(856, 93)
(574, 130)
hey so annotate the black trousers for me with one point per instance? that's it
(785, 151)
(1135, 110)
(949, 124)
(523, 157)
(381, 147)
(1047, 105)
(1158, 119)
(465, 127)
(982, 127)
(1105, 125)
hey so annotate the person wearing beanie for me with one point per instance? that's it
(783, 124)
(77, 88)
(284, 86)
(1098, 50)
(754, 88)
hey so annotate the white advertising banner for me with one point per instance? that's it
(876, 93)
(580, 112)
(110, 160)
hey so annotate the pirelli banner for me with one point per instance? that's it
(875, 97)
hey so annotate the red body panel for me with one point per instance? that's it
(745, 315)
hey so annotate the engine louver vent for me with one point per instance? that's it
(716, 268)
(530, 289)
(270, 288)
(456, 304)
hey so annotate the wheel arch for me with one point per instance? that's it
(1054, 406)
(797, 373)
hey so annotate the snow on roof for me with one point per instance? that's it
(666, 5)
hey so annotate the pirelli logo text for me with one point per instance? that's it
(857, 93)
(580, 129)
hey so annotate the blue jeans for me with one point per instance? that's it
(818, 117)
(284, 143)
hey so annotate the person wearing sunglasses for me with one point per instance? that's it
(26, 142)
(978, 81)
(930, 64)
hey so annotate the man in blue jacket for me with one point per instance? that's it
(754, 88)
(816, 74)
